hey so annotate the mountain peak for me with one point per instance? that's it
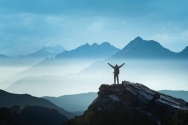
(105, 43)
(138, 38)
(95, 44)
(139, 48)
(136, 41)
(87, 44)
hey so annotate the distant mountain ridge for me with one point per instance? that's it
(104, 50)
(10, 99)
(143, 49)
(45, 52)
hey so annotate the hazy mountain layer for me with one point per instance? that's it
(11, 68)
(157, 75)
(45, 52)
(80, 58)
(60, 74)
(73, 103)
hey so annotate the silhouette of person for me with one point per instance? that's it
(116, 72)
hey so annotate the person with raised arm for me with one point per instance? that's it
(116, 72)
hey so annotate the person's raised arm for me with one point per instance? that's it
(110, 65)
(121, 65)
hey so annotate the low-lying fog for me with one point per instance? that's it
(56, 78)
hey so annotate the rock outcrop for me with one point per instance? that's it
(130, 104)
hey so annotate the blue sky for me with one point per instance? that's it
(27, 25)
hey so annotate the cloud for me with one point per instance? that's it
(169, 38)
(164, 37)
(28, 31)
(175, 42)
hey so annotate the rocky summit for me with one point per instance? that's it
(133, 104)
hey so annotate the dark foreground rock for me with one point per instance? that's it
(132, 104)
(30, 115)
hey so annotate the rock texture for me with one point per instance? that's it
(135, 95)
(130, 103)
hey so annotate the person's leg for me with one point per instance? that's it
(114, 79)
(117, 79)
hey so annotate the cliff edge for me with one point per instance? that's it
(131, 104)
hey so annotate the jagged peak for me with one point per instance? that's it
(135, 41)
(138, 38)
(86, 44)
(105, 43)
(96, 44)
(139, 41)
